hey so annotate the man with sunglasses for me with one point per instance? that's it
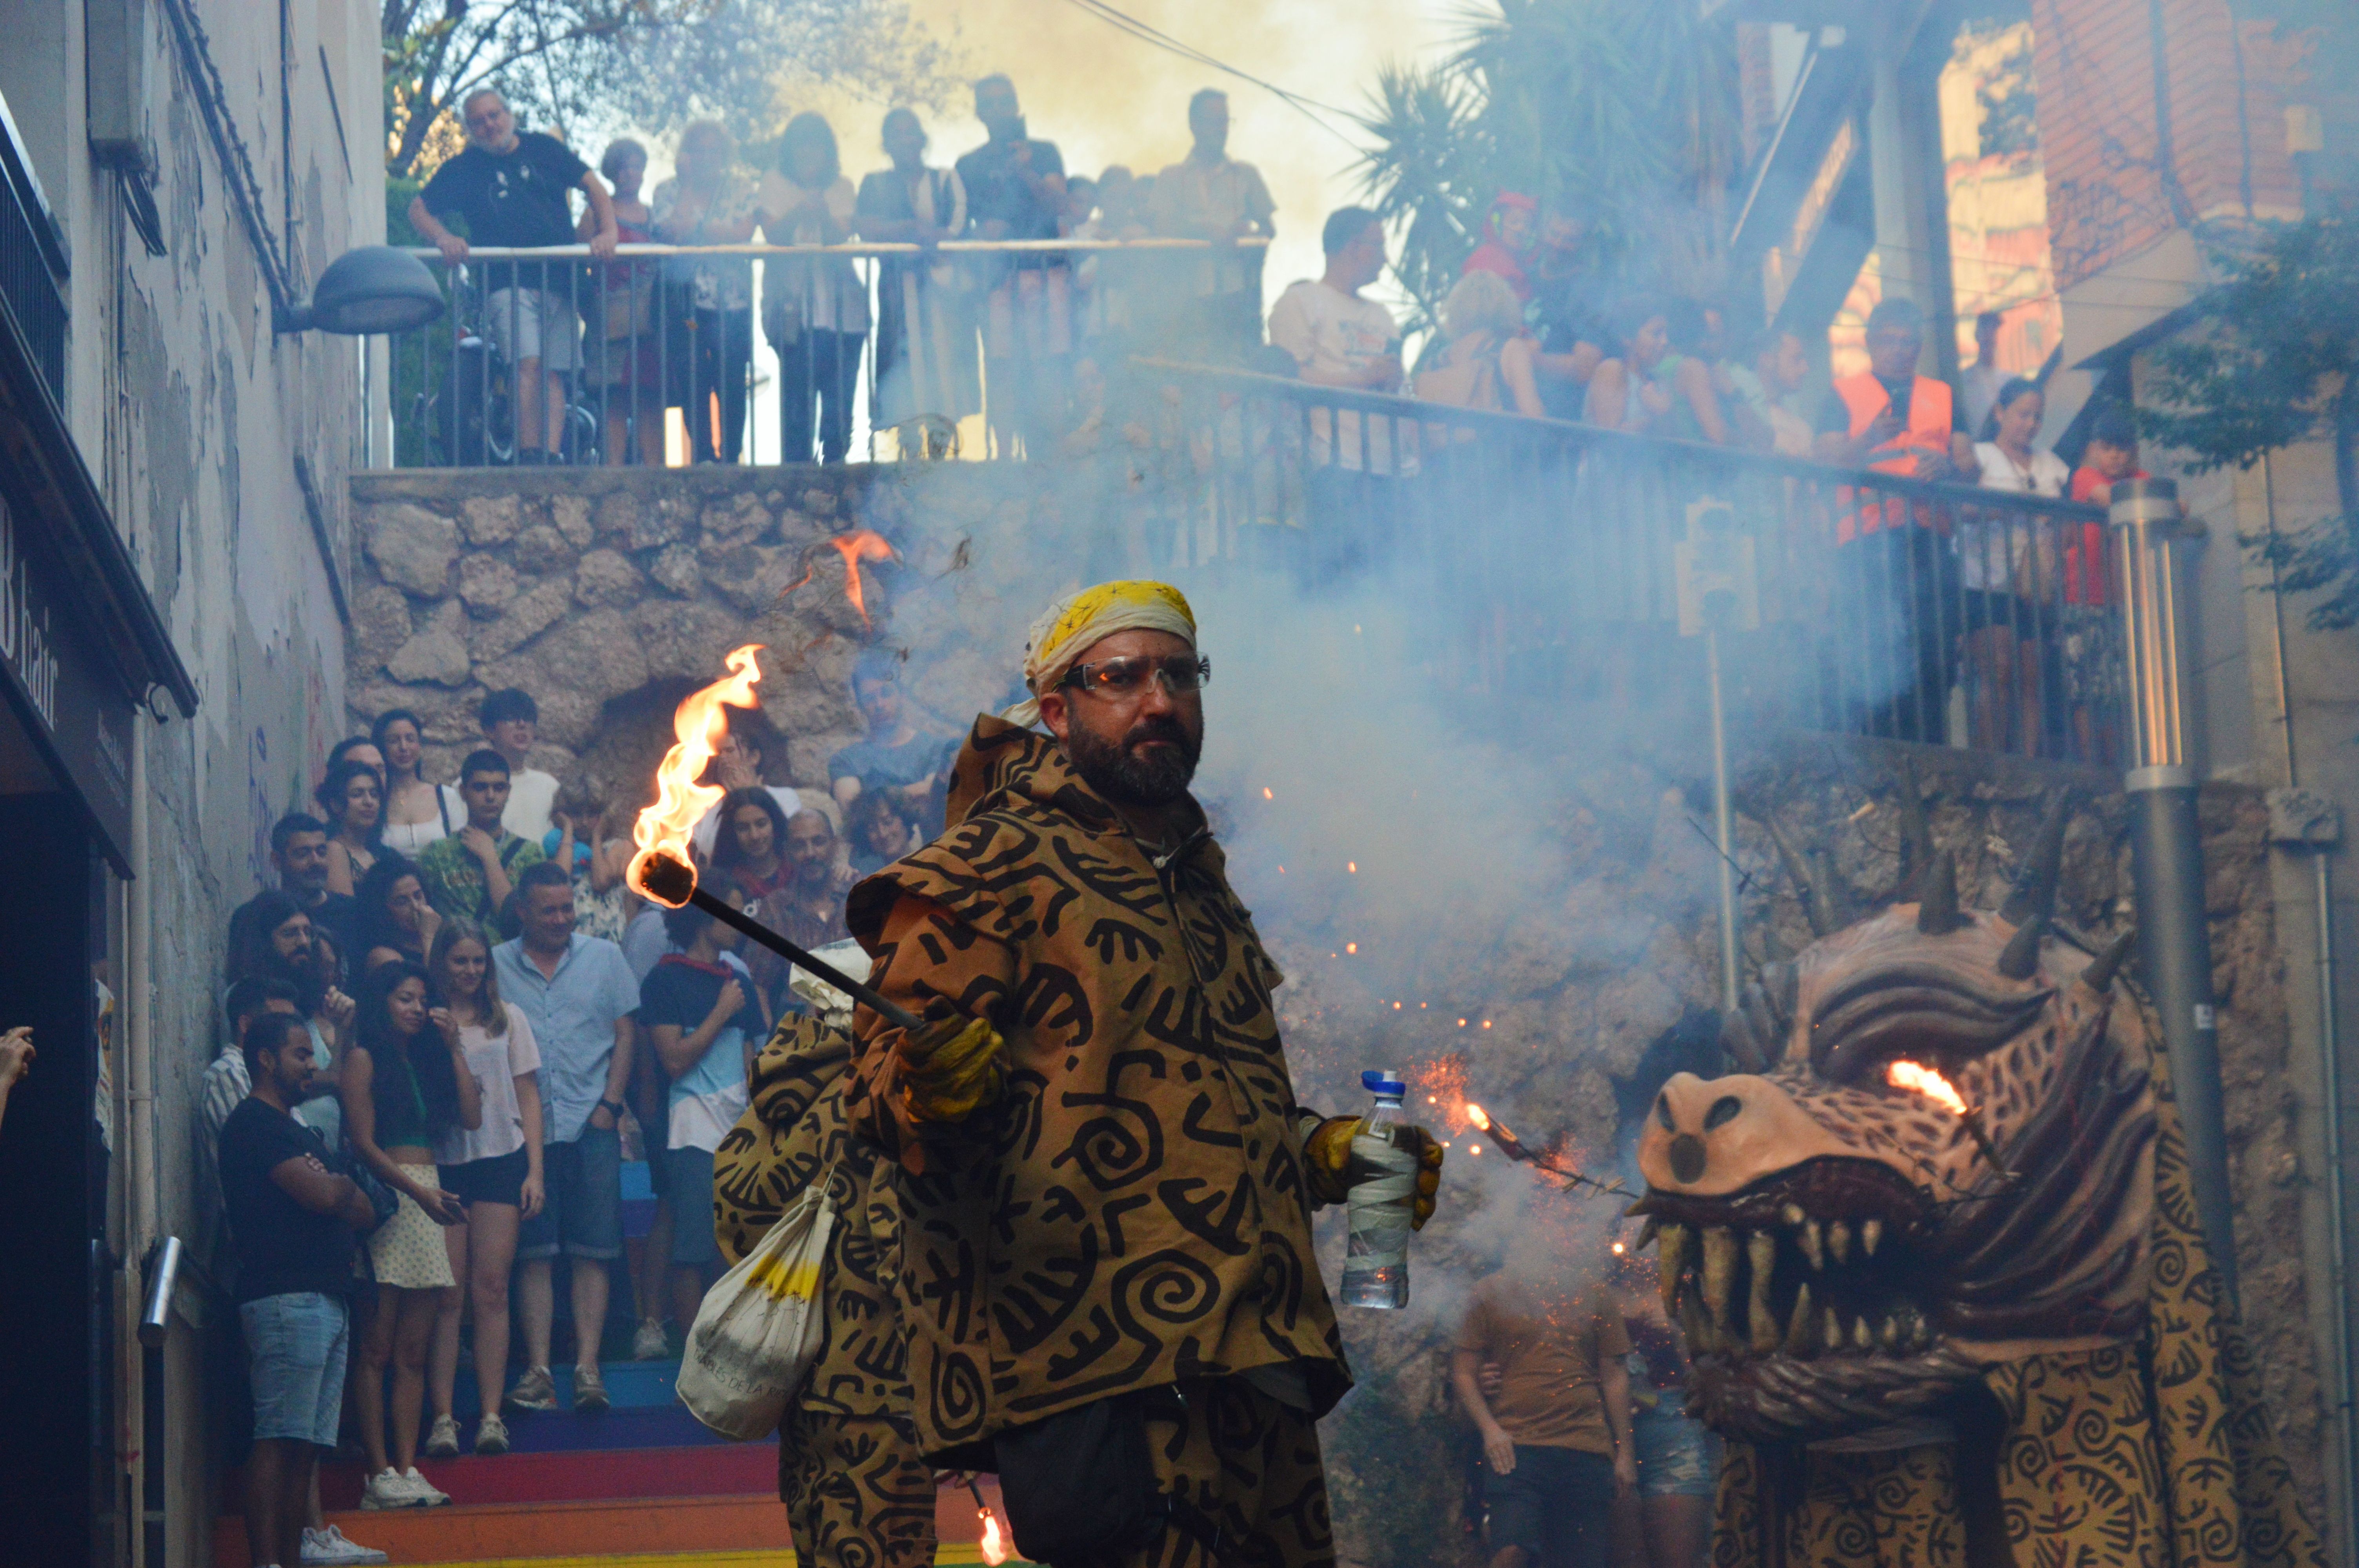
(1106, 1249)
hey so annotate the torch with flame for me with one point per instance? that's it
(996, 1548)
(1918, 1078)
(1512, 1148)
(662, 870)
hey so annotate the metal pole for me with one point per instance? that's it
(1729, 998)
(2166, 842)
(2328, 1045)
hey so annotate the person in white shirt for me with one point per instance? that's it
(511, 722)
(1209, 195)
(2013, 585)
(1983, 379)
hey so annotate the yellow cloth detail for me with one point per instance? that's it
(956, 1067)
(783, 1279)
(1067, 629)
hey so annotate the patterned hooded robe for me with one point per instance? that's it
(849, 1472)
(1133, 1210)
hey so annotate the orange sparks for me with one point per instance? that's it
(1351, 947)
(863, 545)
(697, 726)
(1353, 867)
(1267, 793)
(995, 1545)
(1926, 1082)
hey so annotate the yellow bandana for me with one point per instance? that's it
(1067, 629)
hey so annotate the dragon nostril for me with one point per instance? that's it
(1686, 1155)
(1724, 1109)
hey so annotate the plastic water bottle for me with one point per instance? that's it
(1376, 1253)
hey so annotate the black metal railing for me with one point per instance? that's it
(32, 261)
(1554, 559)
(799, 352)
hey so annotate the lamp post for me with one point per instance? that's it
(2152, 540)
(372, 289)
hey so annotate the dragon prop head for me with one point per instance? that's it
(1841, 1250)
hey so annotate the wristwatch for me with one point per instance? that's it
(613, 1107)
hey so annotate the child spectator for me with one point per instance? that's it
(495, 1169)
(415, 813)
(353, 796)
(700, 1010)
(1507, 246)
(470, 875)
(396, 921)
(602, 901)
(406, 1086)
(294, 1220)
(511, 722)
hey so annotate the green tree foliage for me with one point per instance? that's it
(653, 64)
(1623, 115)
(2273, 360)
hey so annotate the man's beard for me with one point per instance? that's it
(1123, 777)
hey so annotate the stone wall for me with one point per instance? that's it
(608, 594)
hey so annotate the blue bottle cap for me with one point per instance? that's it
(1381, 1081)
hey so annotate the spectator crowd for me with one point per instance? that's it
(453, 1039)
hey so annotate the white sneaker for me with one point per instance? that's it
(427, 1496)
(322, 1547)
(388, 1488)
(442, 1443)
(492, 1436)
(650, 1344)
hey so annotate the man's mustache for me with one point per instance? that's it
(1147, 730)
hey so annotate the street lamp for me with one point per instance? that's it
(373, 289)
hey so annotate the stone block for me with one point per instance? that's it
(677, 570)
(594, 655)
(489, 520)
(412, 548)
(487, 585)
(568, 719)
(687, 642)
(819, 503)
(618, 517)
(571, 516)
(541, 548)
(734, 518)
(528, 616)
(436, 655)
(750, 577)
(380, 624)
(607, 577)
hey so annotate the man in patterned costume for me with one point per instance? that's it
(1107, 1182)
(858, 1494)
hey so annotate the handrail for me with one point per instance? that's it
(1505, 424)
(851, 248)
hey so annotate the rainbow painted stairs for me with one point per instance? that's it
(639, 1484)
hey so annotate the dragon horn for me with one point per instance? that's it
(2099, 976)
(2035, 897)
(1915, 835)
(1937, 905)
(2021, 956)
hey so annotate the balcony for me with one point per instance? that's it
(32, 264)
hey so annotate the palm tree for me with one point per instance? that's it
(1624, 113)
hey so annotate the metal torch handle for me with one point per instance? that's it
(722, 911)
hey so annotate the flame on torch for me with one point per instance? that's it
(996, 1548)
(1925, 1081)
(698, 726)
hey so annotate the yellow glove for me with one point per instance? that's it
(952, 1069)
(1332, 1171)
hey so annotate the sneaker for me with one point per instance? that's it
(589, 1390)
(492, 1436)
(442, 1443)
(428, 1498)
(324, 1548)
(650, 1343)
(536, 1391)
(388, 1488)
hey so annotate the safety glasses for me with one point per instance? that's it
(1179, 673)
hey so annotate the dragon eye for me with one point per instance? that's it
(1724, 1109)
(1663, 1113)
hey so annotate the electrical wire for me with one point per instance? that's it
(1309, 109)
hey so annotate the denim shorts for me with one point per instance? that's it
(583, 1216)
(1679, 1456)
(690, 1197)
(295, 1346)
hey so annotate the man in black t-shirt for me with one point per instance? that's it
(293, 1220)
(512, 186)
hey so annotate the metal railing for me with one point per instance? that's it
(1548, 557)
(32, 261)
(871, 346)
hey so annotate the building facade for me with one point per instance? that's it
(172, 497)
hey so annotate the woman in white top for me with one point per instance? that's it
(2010, 568)
(709, 202)
(1623, 392)
(495, 1168)
(814, 309)
(415, 813)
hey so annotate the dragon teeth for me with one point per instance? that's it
(1718, 1272)
(1798, 1332)
(1792, 1214)
(1761, 1251)
(1693, 1324)
(1839, 1241)
(1860, 1338)
(1670, 1261)
(1647, 1233)
(1870, 1234)
(1834, 1331)
(1812, 1247)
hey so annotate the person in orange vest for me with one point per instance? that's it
(1898, 607)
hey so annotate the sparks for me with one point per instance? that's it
(1353, 867)
(1267, 793)
(698, 726)
(1351, 947)
(1926, 1082)
(1478, 1116)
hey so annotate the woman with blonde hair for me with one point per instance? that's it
(495, 1169)
(1486, 362)
(710, 202)
(627, 354)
